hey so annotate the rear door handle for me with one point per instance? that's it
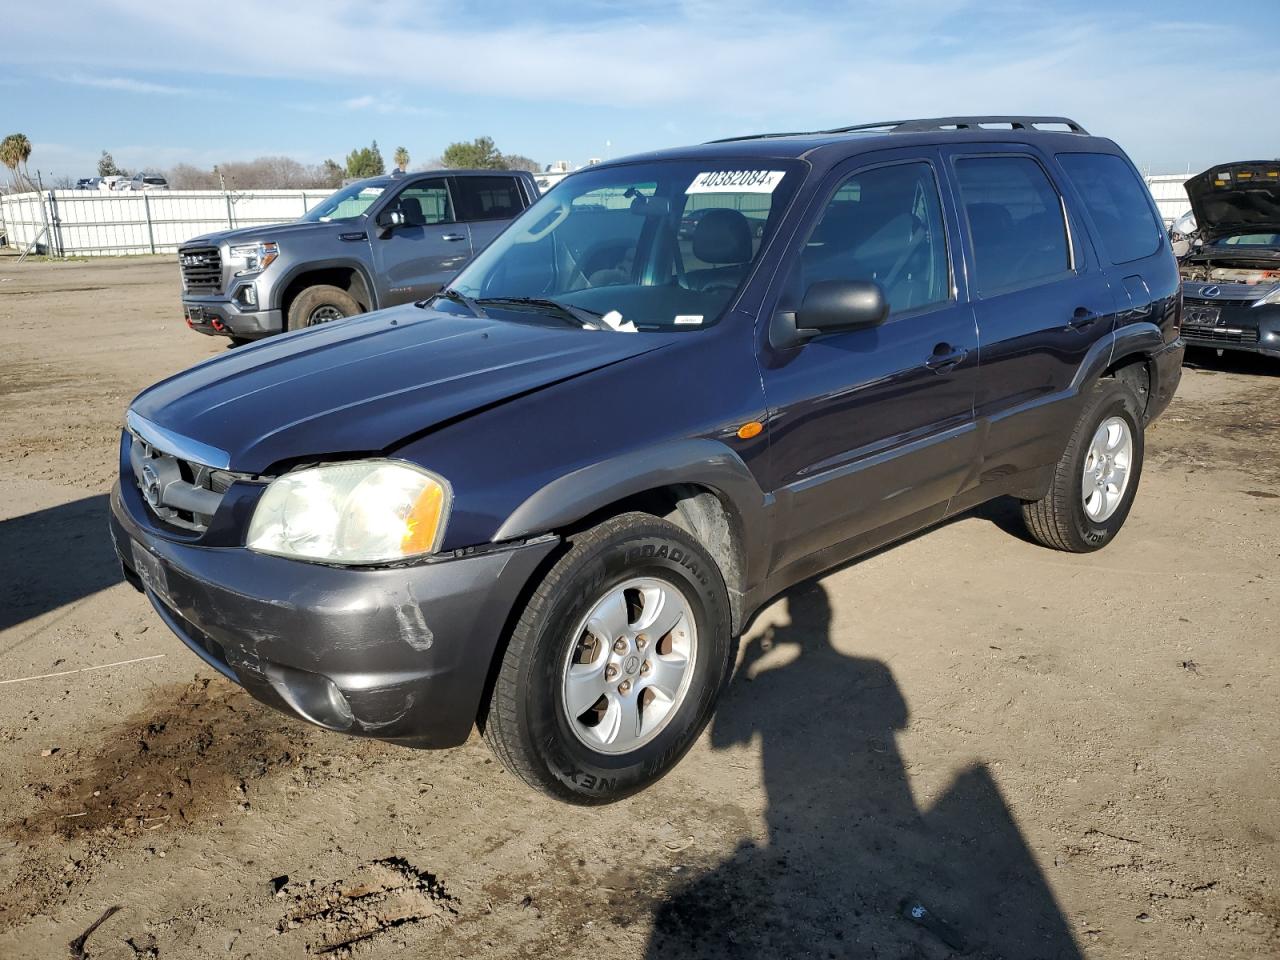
(1082, 318)
(946, 357)
(453, 237)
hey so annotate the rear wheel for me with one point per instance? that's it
(1097, 477)
(615, 665)
(321, 304)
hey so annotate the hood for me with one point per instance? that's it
(1236, 198)
(274, 231)
(368, 383)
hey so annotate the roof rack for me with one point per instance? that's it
(931, 124)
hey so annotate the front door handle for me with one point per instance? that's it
(1082, 317)
(946, 358)
(453, 237)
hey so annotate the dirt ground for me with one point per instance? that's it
(1048, 755)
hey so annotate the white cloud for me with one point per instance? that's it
(714, 67)
(125, 84)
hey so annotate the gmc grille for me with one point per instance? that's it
(201, 269)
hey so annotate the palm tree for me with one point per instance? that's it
(401, 157)
(15, 150)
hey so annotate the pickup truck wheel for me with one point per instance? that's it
(615, 664)
(1097, 478)
(321, 304)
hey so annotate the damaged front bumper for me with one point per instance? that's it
(399, 653)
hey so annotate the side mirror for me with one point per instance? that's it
(830, 306)
(388, 220)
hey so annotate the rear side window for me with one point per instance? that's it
(885, 225)
(1117, 203)
(1015, 221)
(488, 198)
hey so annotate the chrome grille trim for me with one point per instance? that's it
(184, 448)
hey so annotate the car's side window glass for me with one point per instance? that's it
(1117, 202)
(425, 203)
(884, 225)
(488, 198)
(1015, 222)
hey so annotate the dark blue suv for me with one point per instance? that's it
(546, 500)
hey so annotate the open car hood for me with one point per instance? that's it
(1236, 198)
(366, 384)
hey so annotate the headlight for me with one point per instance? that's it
(368, 511)
(252, 258)
(1272, 297)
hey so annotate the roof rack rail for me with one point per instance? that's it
(930, 124)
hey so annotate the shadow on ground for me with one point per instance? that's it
(53, 557)
(851, 859)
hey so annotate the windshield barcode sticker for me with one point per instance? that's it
(736, 181)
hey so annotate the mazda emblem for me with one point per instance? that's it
(151, 485)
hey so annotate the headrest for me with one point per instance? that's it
(411, 207)
(722, 236)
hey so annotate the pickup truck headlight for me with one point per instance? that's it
(251, 258)
(364, 512)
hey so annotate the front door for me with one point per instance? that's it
(426, 249)
(872, 429)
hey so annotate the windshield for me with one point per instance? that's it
(661, 245)
(347, 204)
(1249, 240)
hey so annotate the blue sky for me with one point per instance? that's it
(1180, 85)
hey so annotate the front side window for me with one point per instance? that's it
(884, 225)
(1117, 202)
(424, 204)
(663, 245)
(488, 198)
(1015, 222)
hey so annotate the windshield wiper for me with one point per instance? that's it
(457, 296)
(581, 315)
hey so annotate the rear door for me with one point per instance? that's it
(1040, 298)
(487, 204)
(427, 249)
(873, 427)
(1130, 236)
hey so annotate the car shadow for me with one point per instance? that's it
(53, 557)
(852, 866)
(1231, 361)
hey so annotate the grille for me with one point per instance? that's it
(179, 492)
(1220, 334)
(201, 269)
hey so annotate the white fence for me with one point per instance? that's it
(96, 223)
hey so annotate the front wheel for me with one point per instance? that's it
(1097, 477)
(320, 304)
(615, 664)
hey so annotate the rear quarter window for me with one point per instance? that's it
(1117, 203)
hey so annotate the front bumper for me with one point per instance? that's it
(398, 653)
(1231, 325)
(228, 318)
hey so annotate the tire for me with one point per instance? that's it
(333, 303)
(1063, 519)
(528, 723)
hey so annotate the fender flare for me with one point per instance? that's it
(1142, 339)
(702, 462)
(343, 263)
